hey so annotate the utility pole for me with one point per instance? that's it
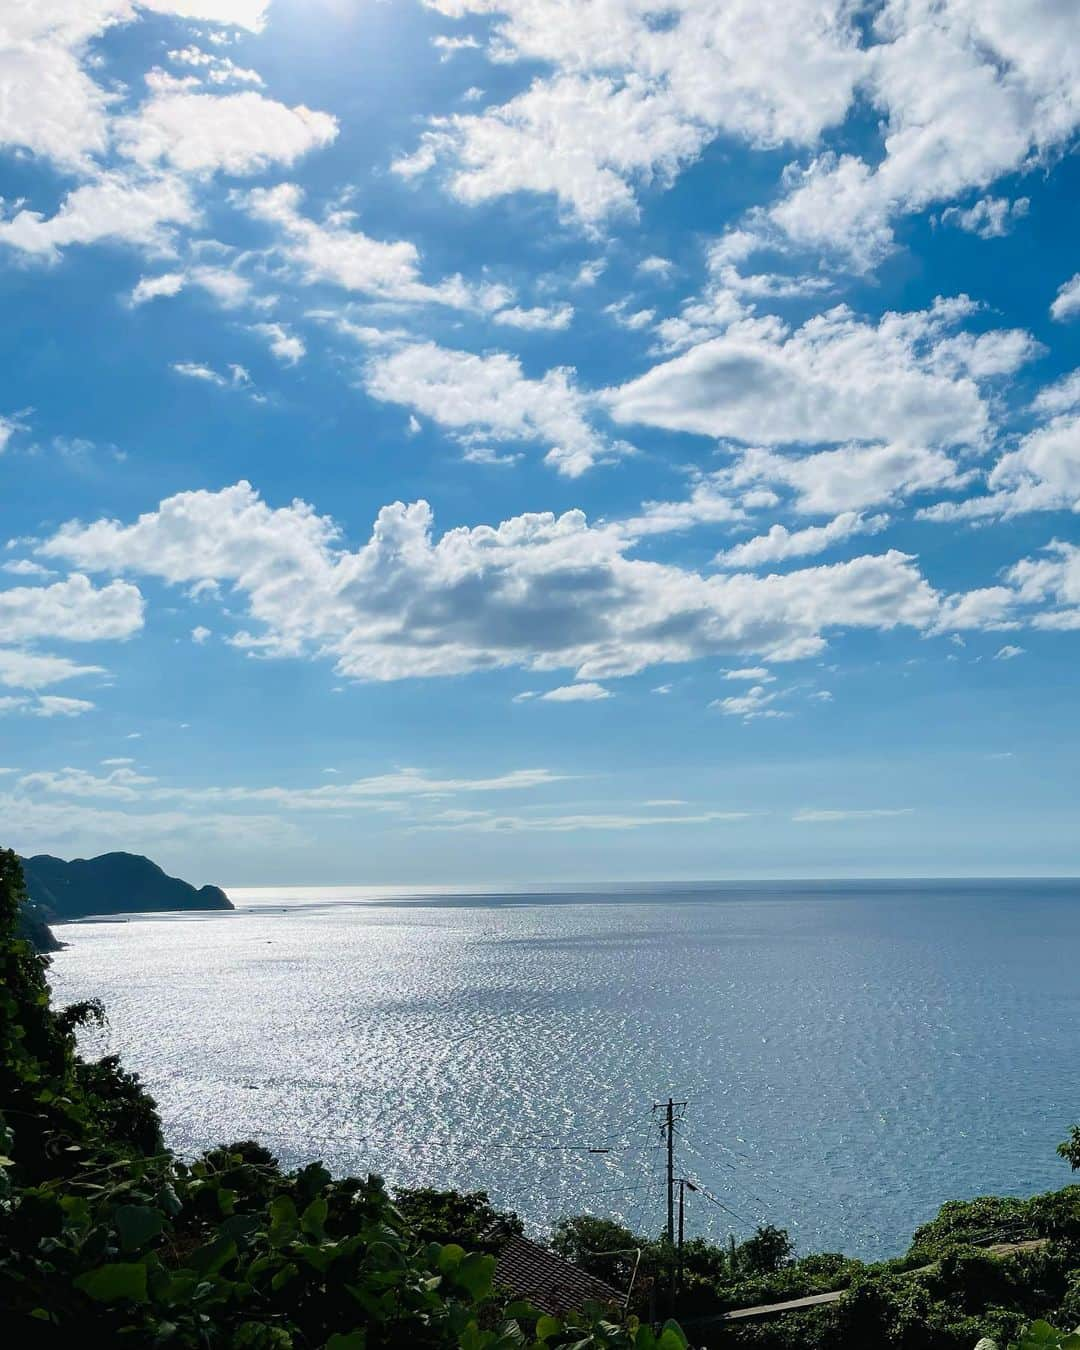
(668, 1128)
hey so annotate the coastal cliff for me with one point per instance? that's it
(113, 883)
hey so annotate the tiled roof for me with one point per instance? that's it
(547, 1281)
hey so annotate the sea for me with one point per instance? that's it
(843, 1057)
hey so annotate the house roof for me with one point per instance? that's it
(547, 1281)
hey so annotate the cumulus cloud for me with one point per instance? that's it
(485, 398)
(588, 692)
(334, 251)
(1067, 303)
(286, 346)
(227, 286)
(1052, 579)
(115, 208)
(54, 705)
(553, 317)
(968, 92)
(32, 670)
(780, 542)
(1041, 474)
(756, 702)
(836, 378)
(537, 591)
(629, 100)
(989, 217)
(237, 134)
(74, 610)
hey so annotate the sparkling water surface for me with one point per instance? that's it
(852, 1054)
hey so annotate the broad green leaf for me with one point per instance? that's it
(475, 1274)
(119, 1280)
(449, 1257)
(671, 1338)
(283, 1276)
(349, 1340)
(283, 1221)
(313, 1219)
(209, 1259)
(546, 1327)
(137, 1225)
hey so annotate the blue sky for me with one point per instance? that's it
(493, 441)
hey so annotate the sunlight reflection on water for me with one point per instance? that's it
(852, 1056)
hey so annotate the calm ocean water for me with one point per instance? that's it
(852, 1054)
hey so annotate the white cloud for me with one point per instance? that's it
(589, 692)
(630, 100)
(450, 46)
(1041, 474)
(217, 69)
(706, 505)
(781, 543)
(1053, 578)
(483, 398)
(381, 791)
(632, 319)
(149, 288)
(556, 317)
(848, 479)
(8, 428)
(237, 377)
(969, 90)
(836, 378)
(286, 346)
(53, 705)
(33, 670)
(114, 208)
(759, 674)
(74, 610)
(989, 217)
(829, 817)
(756, 702)
(52, 106)
(539, 591)
(1067, 304)
(655, 266)
(199, 634)
(1008, 653)
(249, 14)
(237, 134)
(589, 272)
(228, 287)
(24, 567)
(1061, 396)
(336, 252)
(570, 824)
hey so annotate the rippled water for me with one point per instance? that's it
(852, 1055)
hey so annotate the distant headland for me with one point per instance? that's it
(113, 883)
